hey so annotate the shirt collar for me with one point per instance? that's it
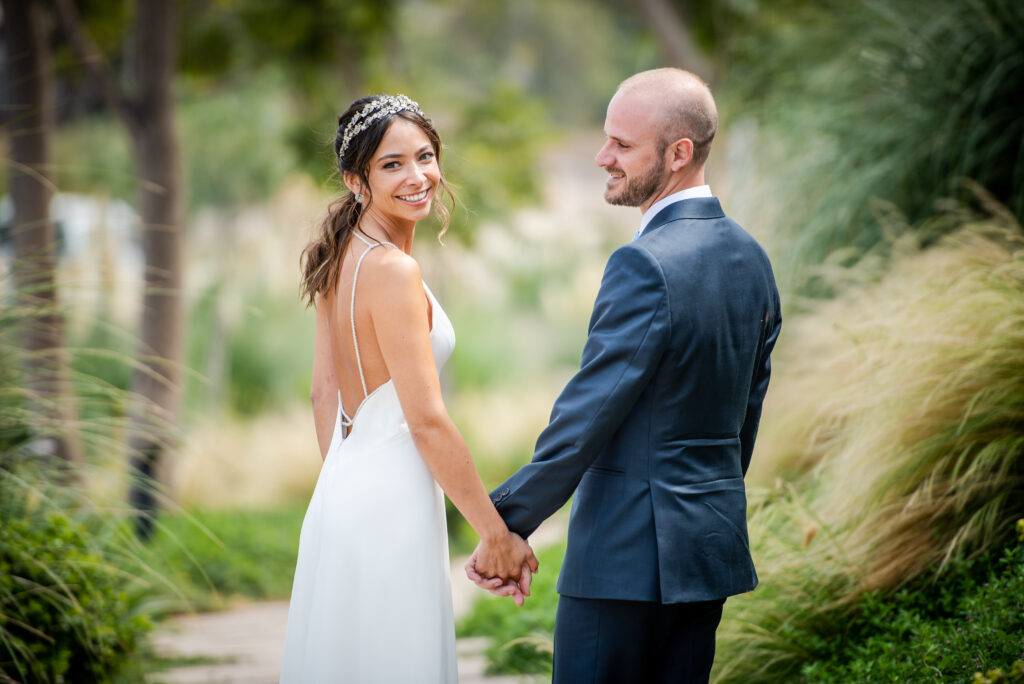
(688, 193)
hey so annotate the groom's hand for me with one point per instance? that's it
(518, 588)
(503, 556)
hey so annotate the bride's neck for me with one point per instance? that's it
(398, 233)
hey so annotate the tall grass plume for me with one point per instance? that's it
(898, 445)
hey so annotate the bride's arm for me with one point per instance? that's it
(323, 391)
(399, 314)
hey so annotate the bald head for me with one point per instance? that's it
(683, 102)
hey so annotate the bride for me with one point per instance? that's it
(371, 599)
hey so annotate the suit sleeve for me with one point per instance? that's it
(759, 384)
(628, 333)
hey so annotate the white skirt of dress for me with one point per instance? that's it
(371, 599)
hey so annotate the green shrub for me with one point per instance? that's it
(941, 631)
(522, 638)
(221, 554)
(68, 610)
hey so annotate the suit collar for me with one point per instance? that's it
(696, 208)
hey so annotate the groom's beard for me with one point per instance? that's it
(638, 190)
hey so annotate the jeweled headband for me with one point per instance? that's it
(385, 105)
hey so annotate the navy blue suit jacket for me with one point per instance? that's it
(655, 432)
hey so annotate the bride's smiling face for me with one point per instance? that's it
(403, 174)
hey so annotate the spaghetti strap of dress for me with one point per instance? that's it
(346, 420)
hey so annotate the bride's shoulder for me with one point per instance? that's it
(395, 272)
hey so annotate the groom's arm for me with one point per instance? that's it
(628, 333)
(759, 384)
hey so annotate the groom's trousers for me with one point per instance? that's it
(605, 641)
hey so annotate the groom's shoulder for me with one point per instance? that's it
(634, 257)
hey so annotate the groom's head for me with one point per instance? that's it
(659, 128)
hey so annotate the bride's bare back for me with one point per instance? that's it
(374, 290)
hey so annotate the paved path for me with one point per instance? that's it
(244, 645)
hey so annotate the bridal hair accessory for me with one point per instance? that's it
(385, 105)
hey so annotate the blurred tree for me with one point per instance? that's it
(672, 24)
(313, 40)
(147, 110)
(327, 48)
(29, 101)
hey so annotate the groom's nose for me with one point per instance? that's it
(604, 157)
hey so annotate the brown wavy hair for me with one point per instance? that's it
(321, 259)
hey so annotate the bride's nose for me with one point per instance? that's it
(416, 176)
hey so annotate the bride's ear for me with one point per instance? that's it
(352, 182)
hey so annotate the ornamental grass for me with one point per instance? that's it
(896, 439)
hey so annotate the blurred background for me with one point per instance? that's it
(164, 163)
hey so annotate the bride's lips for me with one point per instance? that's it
(416, 198)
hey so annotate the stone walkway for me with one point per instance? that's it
(244, 645)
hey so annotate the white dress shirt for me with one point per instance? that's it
(688, 193)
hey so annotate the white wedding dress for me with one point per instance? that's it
(371, 600)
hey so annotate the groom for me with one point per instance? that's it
(655, 432)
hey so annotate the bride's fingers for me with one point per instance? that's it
(471, 571)
(517, 596)
(525, 578)
(488, 583)
(492, 583)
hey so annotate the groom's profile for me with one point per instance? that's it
(655, 432)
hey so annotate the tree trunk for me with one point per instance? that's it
(33, 238)
(149, 117)
(161, 206)
(678, 48)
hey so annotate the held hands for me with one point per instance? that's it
(504, 567)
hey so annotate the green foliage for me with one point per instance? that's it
(306, 36)
(908, 453)
(67, 606)
(234, 141)
(93, 156)
(268, 364)
(483, 340)
(938, 631)
(521, 637)
(99, 370)
(234, 146)
(872, 110)
(255, 357)
(217, 555)
(491, 155)
(568, 54)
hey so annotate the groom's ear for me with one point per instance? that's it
(680, 153)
